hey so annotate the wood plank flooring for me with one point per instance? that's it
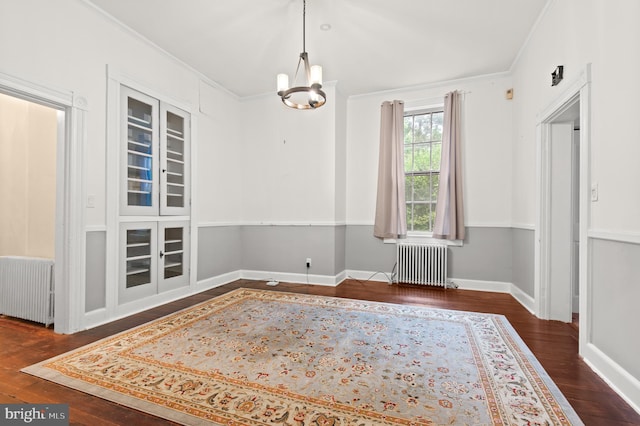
(555, 344)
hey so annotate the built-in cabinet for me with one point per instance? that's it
(154, 197)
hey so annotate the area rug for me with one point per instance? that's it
(253, 357)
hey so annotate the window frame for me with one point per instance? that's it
(412, 112)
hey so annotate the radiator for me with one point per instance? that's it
(422, 264)
(26, 288)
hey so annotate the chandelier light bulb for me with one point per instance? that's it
(283, 82)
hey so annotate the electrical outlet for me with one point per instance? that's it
(308, 262)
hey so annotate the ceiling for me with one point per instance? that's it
(372, 45)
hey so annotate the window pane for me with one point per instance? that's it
(408, 158)
(422, 128)
(409, 221)
(421, 188)
(436, 156)
(437, 126)
(408, 125)
(421, 217)
(435, 184)
(432, 216)
(421, 157)
(408, 188)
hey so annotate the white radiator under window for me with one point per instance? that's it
(422, 264)
(26, 288)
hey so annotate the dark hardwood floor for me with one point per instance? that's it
(555, 344)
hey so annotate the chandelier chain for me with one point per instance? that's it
(304, 25)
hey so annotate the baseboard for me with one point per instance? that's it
(327, 280)
(478, 285)
(217, 281)
(525, 300)
(619, 379)
(378, 276)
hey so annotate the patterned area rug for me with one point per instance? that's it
(253, 357)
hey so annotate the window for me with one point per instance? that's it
(422, 152)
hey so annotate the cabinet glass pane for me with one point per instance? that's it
(175, 160)
(173, 252)
(140, 153)
(138, 257)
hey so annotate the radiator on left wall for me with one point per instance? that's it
(27, 288)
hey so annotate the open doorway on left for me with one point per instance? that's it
(28, 160)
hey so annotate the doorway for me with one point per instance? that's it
(28, 146)
(563, 200)
(69, 248)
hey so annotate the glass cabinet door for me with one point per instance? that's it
(140, 158)
(174, 162)
(174, 255)
(138, 261)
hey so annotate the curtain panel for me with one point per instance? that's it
(449, 223)
(391, 217)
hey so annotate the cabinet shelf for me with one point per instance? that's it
(180, 185)
(169, 253)
(174, 133)
(174, 152)
(141, 257)
(142, 154)
(146, 169)
(137, 271)
(175, 161)
(142, 144)
(133, 191)
(132, 245)
(172, 265)
(139, 180)
(139, 122)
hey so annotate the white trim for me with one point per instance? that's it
(70, 240)
(217, 224)
(158, 49)
(306, 223)
(479, 285)
(578, 90)
(488, 225)
(524, 226)
(377, 276)
(326, 280)
(620, 380)
(525, 45)
(435, 85)
(217, 281)
(95, 228)
(617, 236)
(525, 300)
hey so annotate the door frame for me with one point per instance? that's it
(577, 91)
(70, 253)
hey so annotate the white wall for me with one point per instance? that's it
(574, 33)
(28, 175)
(289, 162)
(486, 147)
(67, 44)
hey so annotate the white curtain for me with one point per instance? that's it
(391, 217)
(449, 223)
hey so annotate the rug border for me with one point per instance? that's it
(37, 369)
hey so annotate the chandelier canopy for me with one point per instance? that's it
(310, 96)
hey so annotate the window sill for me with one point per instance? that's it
(424, 238)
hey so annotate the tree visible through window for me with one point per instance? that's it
(422, 153)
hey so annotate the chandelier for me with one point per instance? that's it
(310, 96)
